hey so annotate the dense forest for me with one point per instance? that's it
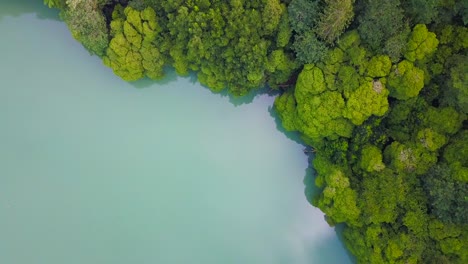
(378, 90)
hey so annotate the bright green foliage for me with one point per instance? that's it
(309, 82)
(240, 44)
(284, 31)
(314, 111)
(369, 99)
(338, 200)
(421, 43)
(453, 239)
(331, 65)
(55, 3)
(349, 40)
(279, 66)
(322, 116)
(335, 18)
(444, 120)
(379, 243)
(405, 80)
(415, 222)
(271, 15)
(409, 158)
(87, 25)
(229, 44)
(285, 105)
(357, 55)
(348, 80)
(379, 66)
(388, 158)
(132, 53)
(430, 139)
(382, 192)
(371, 159)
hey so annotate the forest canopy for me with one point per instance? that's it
(378, 89)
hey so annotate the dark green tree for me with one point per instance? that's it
(383, 27)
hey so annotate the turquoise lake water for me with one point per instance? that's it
(94, 170)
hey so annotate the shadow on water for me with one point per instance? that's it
(17, 8)
(339, 233)
(311, 191)
(241, 100)
(327, 251)
(292, 135)
(234, 100)
(169, 76)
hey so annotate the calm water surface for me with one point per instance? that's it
(96, 170)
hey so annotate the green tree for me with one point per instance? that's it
(271, 15)
(322, 116)
(383, 194)
(285, 106)
(55, 3)
(319, 113)
(338, 199)
(445, 120)
(409, 158)
(431, 139)
(284, 31)
(132, 53)
(405, 80)
(369, 99)
(371, 159)
(379, 66)
(421, 43)
(452, 240)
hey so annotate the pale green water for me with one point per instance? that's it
(95, 171)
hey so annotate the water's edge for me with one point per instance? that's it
(43, 13)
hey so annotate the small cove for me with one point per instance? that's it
(96, 170)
